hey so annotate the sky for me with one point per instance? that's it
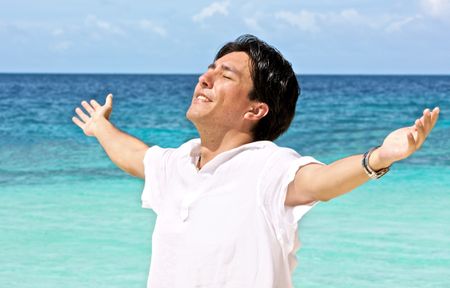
(317, 37)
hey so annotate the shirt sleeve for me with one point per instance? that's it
(155, 162)
(279, 171)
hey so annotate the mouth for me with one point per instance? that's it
(201, 98)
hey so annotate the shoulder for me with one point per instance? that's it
(187, 147)
(284, 162)
(158, 153)
(278, 153)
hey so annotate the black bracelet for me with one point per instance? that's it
(369, 171)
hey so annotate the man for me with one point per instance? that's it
(228, 204)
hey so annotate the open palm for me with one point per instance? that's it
(96, 111)
(403, 142)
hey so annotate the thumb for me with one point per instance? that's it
(109, 99)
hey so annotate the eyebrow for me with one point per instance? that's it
(224, 67)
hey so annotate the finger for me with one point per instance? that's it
(420, 134)
(411, 142)
(109, 99)
(88, 107)
(434, 116)
(422, 118)
(78, 122)
(83, 116)
(95, 104)
(426, 120)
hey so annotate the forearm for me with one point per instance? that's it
(325, 182)
(126, 151)
(342, 176)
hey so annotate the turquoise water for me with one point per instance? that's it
(70, 218)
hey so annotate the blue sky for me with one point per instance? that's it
(324, 37)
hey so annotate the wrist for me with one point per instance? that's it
(99, 125)
(376, 162)
(374, 172)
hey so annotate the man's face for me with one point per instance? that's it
(221, 95)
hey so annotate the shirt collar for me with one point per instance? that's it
(223, 157)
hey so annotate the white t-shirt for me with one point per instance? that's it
(224, 225)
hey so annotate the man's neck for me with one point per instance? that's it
(212, 144)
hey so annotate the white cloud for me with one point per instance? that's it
(437, 8)
(104, 26)
(348, 16)
(149, 25)
(314, 22)
(252, 23)
(209, 11)
(57, 32)
(61, 46)
(304, 20)
(255, 20)
(397, 26)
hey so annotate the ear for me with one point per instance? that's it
(257, 111)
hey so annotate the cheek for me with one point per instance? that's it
(240, 99)
(235, 93)
(233, 98)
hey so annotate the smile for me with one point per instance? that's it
(202, 98)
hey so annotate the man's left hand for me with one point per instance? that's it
(403, 142)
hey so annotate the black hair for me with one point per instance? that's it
(274, 83)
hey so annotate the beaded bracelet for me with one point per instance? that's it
(369, 171)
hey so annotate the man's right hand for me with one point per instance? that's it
(126, 151)
(96, 113)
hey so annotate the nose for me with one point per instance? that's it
(206, 79)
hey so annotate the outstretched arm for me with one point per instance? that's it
(324, 182)
(126, 151)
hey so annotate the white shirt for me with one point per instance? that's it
(224, 225)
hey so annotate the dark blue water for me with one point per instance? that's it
(61, 198)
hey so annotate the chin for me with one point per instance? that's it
(198, 117)
(188, 115)
(192, 115)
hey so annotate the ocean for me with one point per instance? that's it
(70, 218)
